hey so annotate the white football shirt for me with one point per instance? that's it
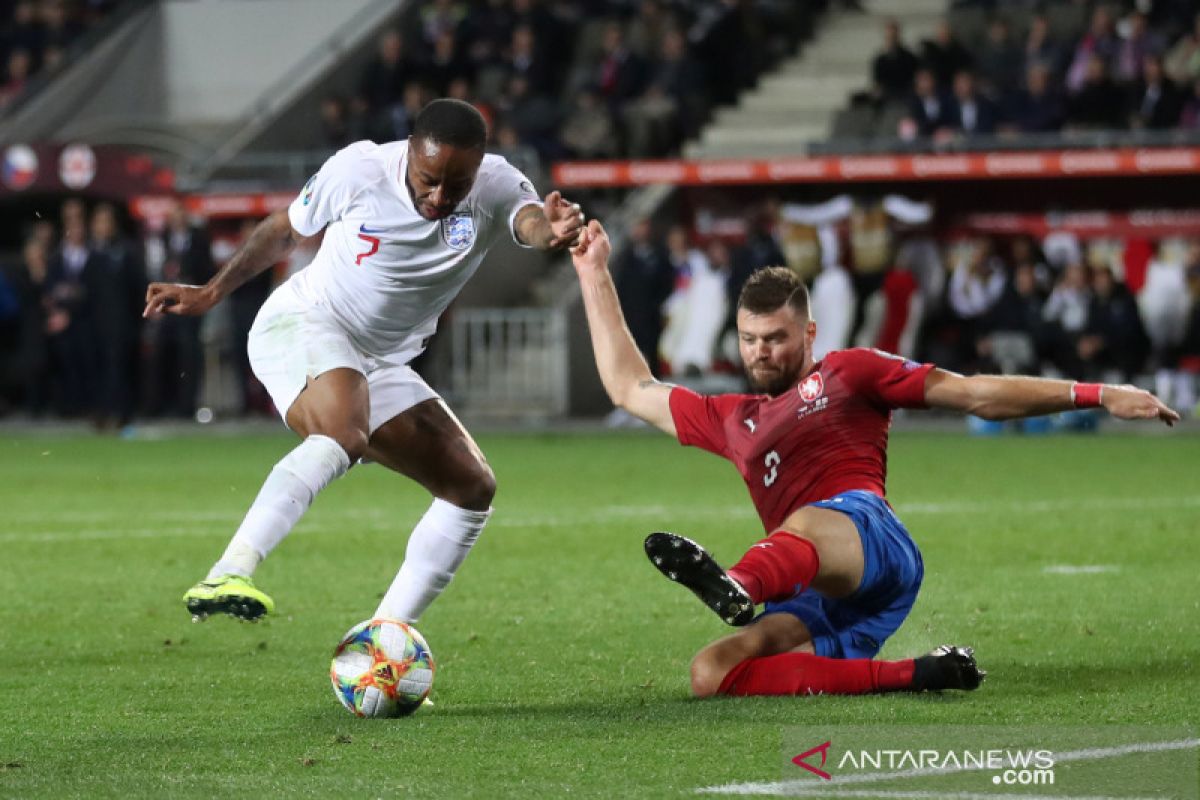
(383, 271)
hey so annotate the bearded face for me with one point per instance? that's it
(775, 348)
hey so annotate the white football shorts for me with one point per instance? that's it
(293, 340)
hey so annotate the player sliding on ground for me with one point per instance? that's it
(838, 573)
(406, 224)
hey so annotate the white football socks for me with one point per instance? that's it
(435, 550)
(286, 494)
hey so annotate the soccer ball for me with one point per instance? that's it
(382, 668)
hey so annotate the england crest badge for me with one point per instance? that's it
(459, 231)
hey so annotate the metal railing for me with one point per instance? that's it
(509, 363)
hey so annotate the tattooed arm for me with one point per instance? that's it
(269, 244)
(552, 226)
(624, 372)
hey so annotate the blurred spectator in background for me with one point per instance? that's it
(930, 107)
(620, 74)
(488, 30)
(1100, 42)
(1137, 43)
(404, 114)
(20, 65)
(1182, 61)
(69, 322)
(59, 28)
(976, 285)
(672, 105)
(506, 142)
(445, 64)
(1041, 48)
(115, 282)
(1000, 61)
(1013, 330)
(1156, 100)
(383, 80)
(893, 69)
(1186, 358)
(644, 281)
(1114, 339)
(971, 112)
(1066, 317)
(944, 55)
(173, 358)
(439, 17)
(1098, 103)
(646, 30)
(525, 60)
(761, 249)
(1038, 107)
(24, 356)
(695, 309)
(588, 131)
(535, 118)
(335, 125)
(1189, 116)
(24, 31)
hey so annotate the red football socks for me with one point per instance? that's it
(802, 673)
(777, 567)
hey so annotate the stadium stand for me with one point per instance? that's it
(1096, 284)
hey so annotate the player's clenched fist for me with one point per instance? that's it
(566, 220)
(177, 298)
(592, 251)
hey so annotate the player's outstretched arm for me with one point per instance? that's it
(268, 244)
(553, 226)
(624, 372)
(1000, 397)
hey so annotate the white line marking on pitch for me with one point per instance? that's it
(1079, 569)
(189, 522)
(807, 787)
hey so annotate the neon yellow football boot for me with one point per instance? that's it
(229, 594)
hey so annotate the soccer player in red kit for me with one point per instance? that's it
(838, 573)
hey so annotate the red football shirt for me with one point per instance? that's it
(826, 435)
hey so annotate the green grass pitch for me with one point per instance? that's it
(562, 653)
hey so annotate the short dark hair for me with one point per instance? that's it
(771, 288)
(452, 122)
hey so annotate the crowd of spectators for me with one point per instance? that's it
(568, 78)
(1100, 311)
(74, 345)
(1026, 68)
(35, 36)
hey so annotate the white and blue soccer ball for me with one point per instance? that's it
(382, 668)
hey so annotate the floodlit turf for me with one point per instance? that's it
(562, 653)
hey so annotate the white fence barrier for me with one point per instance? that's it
(510, 362)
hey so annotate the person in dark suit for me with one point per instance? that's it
(928, 107)
(945, 55)
(115, 281)
(971, 112)
(1156, 101)
(69, 323)
(1038, 107)
(174, 359)
(644, 279)
(893, 68)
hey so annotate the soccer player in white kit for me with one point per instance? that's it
(406, 225)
